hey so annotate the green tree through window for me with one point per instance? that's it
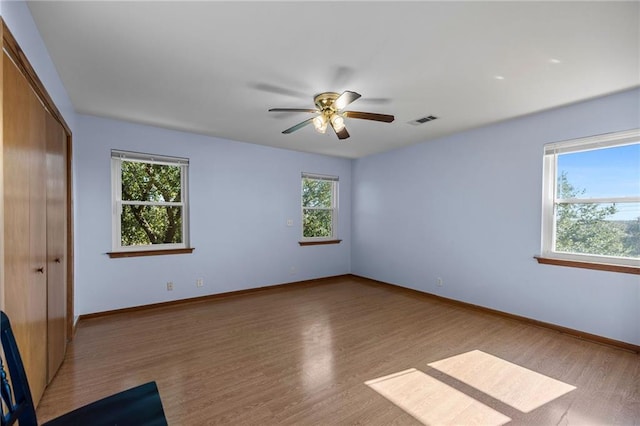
(150, 209)
(584, 228)
(143, 224)
(318, 207)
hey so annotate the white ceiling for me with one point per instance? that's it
(215, 68)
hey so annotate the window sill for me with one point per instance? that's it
(139, 253)
(589, 265)
(317, 243)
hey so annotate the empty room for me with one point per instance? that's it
(320, 212)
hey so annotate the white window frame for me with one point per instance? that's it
(117, 157)
(334, 206)
(550, 199)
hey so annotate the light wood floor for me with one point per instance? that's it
(302, 355)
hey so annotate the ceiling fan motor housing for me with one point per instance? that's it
(324, 101)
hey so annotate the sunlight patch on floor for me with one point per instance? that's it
(519, 387)
(432, 402)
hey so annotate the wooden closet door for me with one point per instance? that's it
(24, 120)
(56, 245)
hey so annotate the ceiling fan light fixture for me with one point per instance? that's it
(337, 121)
(320, 123)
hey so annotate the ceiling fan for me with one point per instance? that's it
(329, 110)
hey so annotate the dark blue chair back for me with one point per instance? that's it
(19, 404)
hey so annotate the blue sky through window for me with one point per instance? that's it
(608, 172)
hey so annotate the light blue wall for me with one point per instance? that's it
(467, 208)
(241, 196)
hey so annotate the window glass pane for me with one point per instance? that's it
(317, 193)
(602, 229)
(144, 225)
(317, 223)
(151, 182)
(600, 173)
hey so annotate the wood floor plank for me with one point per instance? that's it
(301, 355)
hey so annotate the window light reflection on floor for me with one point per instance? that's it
(433, 402)
(317, 354)
(519, 387)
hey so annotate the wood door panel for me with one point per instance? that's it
(16, 201)
(25, 222)
(56, 245)
(38, 244)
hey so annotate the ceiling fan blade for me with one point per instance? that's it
(369, 116)
(345, 99)
(298, 126)
(342, 133)
(293, 110)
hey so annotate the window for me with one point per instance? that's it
(591, 204)
(150, 210)
(319, 207)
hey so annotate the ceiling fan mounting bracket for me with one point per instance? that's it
(324, 101)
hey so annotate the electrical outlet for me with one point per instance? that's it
(289, 222)
(199, 282)
(439, 282)
(170, 286)
(292, 270)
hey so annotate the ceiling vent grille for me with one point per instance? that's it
(423, 120)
